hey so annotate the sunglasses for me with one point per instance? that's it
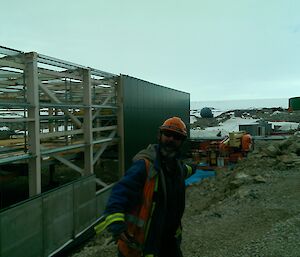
(176, 136)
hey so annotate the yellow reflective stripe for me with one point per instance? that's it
(108, 220)
(149, 255)
(178, 232)
(189, 170)
(156, 185)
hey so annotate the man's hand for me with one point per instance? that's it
(116, 229)
(130, 241)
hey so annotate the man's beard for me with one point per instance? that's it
(169, 149)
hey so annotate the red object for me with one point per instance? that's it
(246, 142)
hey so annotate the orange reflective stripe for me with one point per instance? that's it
(138, 220)
(148, 193)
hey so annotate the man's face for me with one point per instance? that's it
(170, 143)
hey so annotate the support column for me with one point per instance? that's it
(120, 122)
(88, 123)
(31, 81)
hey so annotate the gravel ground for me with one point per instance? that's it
(260, 219)
(251, 210)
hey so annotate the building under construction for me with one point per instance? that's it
(56, 114)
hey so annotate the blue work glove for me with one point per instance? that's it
(116, 229)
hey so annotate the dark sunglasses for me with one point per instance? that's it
(176, 136)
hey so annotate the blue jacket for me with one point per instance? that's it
(127, 194)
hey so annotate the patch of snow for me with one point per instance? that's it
(230, 125)
(274, 113)
(285, 126)
(8, 114)
(4, 129)
(192, 119)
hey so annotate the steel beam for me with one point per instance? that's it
(62, 106)
(32, 85)
(104, 103)
(103, 140)
(88, 130)
(11, 64)
(9, 51)
(100, 182)
(16, 120)
(56, 100)
(104, 128)
(52, 151)
(58, 74)
(61, 133)
(103, 147)
(16, 158)
(69, 164)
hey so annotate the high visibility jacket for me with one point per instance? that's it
(138, 218)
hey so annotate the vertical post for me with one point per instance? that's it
(32, 84)
(50, 112)
(120, 122)
(88, 123)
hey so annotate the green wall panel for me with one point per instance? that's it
(42, 225)
(146, 106)
(84, 203)
(21, 230)
(58, 214)
(101, 200)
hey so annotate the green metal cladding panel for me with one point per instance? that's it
(101, 200)
(21, 230)
(40, 226)
(84, 203)
(294, 103)
(58, 218)
(145, 107)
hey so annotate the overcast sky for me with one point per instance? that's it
(213, 49)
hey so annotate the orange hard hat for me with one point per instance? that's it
(174, 124)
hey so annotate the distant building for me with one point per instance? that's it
(260, 128)
(294, 104)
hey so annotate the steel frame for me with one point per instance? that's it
(57, 107)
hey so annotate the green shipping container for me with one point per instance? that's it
(294, 103)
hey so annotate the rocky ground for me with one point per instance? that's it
(250, 210)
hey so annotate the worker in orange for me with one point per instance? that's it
(246, 144)
(145, 207)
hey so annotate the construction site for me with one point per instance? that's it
(249, 208)
(69, 132)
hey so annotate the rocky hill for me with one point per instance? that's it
(267, 114)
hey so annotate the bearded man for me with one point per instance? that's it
(146, 206)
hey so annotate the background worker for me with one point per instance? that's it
(145, 208)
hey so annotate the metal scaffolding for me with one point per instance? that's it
(50, 109)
